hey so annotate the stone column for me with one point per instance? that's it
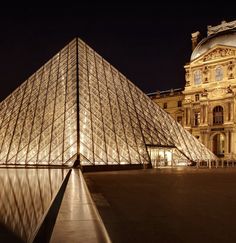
(209, 142)
(189, 117)
(206, 114)
(226, 148)
(232, 111)
(233, 143)
(185, 116)
(202, 115)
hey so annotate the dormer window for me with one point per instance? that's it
(197, 77)
(219, 74)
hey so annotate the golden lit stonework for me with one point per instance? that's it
(209, 107)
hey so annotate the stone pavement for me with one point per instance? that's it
(166, 205)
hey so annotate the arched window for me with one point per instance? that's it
(218, 115)
(219, 73)
(197, 77)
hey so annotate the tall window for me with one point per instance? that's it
(197, 77)
(218, 115)
(179, 103)
(165, 105)
(196, 118)
(219, 73)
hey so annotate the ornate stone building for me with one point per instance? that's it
(171, 101)
(208, 100)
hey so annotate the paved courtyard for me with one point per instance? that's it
(167, 205)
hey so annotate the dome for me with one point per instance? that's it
(226, 38)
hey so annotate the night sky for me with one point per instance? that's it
(148, 44)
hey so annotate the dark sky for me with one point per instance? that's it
(148, 44)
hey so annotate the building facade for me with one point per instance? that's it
(208, 108)
(171, 101)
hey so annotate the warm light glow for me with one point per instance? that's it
(117, 121)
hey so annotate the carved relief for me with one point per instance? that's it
(219, 52)
(187, 101)
(217, 93)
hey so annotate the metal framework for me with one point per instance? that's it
(78, 107)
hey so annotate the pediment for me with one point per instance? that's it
(216, 53)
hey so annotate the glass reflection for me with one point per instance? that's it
(26, 195)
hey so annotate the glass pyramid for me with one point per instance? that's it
(78, 107)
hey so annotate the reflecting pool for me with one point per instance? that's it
(25, 196)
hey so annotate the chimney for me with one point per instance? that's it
(194, 39)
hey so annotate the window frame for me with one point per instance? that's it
(197, 77)
(197, 118)
(218, 115)
(219, 73)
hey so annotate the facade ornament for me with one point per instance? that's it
(217, 93)
(204, 93)
(229, 90)
(218, 53)
(221, 27)
(230, 70)
(187, 78)
(206, 74)
(195, 39)
(187, 100)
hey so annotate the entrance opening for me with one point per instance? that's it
(219, 145)
(165, 156)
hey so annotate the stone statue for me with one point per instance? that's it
(229, 90)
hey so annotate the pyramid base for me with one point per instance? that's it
(93, 168)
